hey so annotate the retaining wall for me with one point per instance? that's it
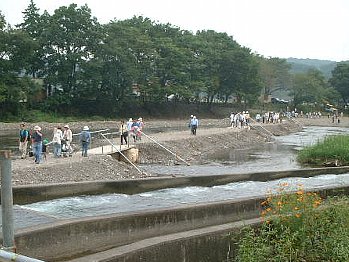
(72, 238)
(35, 193)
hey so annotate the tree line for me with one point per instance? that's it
(69, 63)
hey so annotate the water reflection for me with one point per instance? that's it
(280, 154)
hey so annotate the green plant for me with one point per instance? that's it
(298, 227)
(332, 149)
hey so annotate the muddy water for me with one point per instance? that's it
(279, 154)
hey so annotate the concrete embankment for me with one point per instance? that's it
(36, 193)
(64, 239)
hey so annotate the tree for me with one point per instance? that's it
(275, 75)
(71, 38)
(34, 25)
(310, 87)
(239, 75)
(16, 49)
(340, 80)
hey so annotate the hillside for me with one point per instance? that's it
(303, 65)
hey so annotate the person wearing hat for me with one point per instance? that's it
(37, 144)
(57, 141)
(68, 137)
(129, 125)
(85, 139)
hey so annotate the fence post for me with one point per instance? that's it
(7, 200)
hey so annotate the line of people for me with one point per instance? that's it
(240, 119)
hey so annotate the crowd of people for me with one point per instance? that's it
(240, 119)
(61, 142)
(132, 129)
(62, 138)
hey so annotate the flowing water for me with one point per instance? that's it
(277, 155)
(83, 206)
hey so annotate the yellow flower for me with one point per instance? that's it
(316, 203)
(297, 215)
(300, 192)
(264, 203)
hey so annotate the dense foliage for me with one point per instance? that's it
(298, 227)
(69, 63)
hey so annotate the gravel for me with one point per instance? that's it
(212, 136)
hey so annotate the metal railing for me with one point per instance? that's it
(122, 154)
(7, 253)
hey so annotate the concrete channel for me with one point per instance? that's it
(166, 234)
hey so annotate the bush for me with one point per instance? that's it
(298, 227)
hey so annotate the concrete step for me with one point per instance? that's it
(212, 243)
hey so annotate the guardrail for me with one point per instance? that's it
(7, 212)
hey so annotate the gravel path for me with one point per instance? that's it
(212, 135)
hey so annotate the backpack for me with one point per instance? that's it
(84, 137)
(25, 132)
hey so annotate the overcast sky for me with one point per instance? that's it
(277, 28)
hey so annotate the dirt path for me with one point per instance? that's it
(212, 135)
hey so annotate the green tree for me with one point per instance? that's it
(239, 75)
(173, 60)
(340, 80)
(275, 75)
(15, 89)
(71, 38)
(310, 87)
(34, 25)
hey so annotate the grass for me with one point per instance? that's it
(332, 149)
(298, 227)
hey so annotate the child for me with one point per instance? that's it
(44, 148)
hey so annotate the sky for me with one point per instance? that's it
(316, 29)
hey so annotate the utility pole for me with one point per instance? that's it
(7, 200)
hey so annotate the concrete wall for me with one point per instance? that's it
(75, 237)
(79, 237)
(35, 193)
(215, 243)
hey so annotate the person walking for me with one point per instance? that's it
(23, 140)
(37, 144)
(194, 123)
(85, 139)
(123, 132)
(68, 138)
(189, 124)
(57, 141)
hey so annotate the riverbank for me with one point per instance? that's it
(212, 136)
